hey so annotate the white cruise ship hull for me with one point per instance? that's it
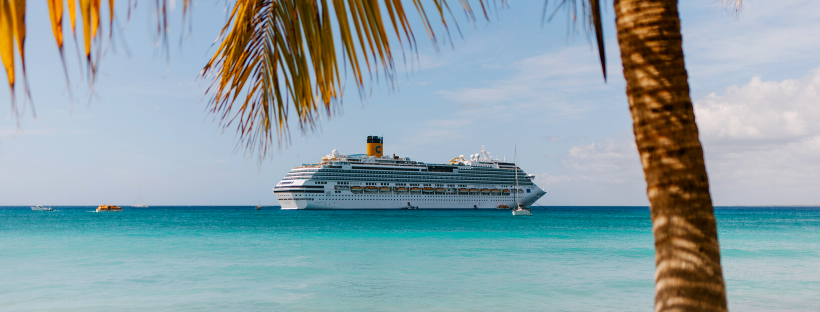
(400, 201)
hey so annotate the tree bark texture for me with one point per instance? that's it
(688, 275)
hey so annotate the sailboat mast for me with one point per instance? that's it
(515, 163)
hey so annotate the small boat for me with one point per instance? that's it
(428, 190)
(440, 190)
(384, 189)
(505, 192)
(138, 203)
(259, 205)
(503, 207)
(109, 208)
(496, 192)
(519, 210)
(415, 189)
(473, 191)
(41, 208)
(485, 191)
(401, 189)
(371, 189)
(410, 206)
(463, 191)
(356, 189)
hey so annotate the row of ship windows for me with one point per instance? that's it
(494, 182)
(396, 178)
(520, 172)
(397, 184)
(407, 172)
(426, 196)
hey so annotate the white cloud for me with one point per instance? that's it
(605, 172)
(550, 81)
(765, 32)
(781, 112)
(610, 160)
(761, 141)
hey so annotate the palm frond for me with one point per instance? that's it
(589, 12)
(13, 34)
(274, 54)
(7, 45)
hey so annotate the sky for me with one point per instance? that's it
(507, 84)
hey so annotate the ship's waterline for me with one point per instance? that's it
(373, 181)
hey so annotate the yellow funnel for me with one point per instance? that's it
(374, 146)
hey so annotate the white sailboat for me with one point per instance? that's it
(519, 210)
(138, 203)
(41, 208)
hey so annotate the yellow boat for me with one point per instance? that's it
(109, 208)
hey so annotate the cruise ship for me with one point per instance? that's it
(375, 181)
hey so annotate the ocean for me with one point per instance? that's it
(241, 259)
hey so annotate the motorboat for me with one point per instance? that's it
(109, 208)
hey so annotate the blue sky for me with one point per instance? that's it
(754, 79)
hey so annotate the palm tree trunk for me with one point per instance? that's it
(688, 275)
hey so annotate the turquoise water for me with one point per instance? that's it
(241, 259)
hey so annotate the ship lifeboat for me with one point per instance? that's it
(473, 191)
(356, 189)
(341, 187)
(505, 192)
(109, 208)
(415, 189)
(463, 191)
(441, 190)
(485, 191)
(371, 189)
(503, 207)
(428, 190)
(496, 192)
(401, 189)
(384, 189)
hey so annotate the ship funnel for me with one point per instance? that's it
(374, 146)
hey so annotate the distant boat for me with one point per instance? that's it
(520, 210)
(259, 206)
(41, 208)
(109, 208)
(138, 203)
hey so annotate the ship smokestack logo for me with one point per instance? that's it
(375, 146)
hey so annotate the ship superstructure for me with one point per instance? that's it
(374, 181)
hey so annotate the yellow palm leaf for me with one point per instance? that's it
(55, 13)
(7, 41)
(275, 54)
(95, 17)
(85, 12)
